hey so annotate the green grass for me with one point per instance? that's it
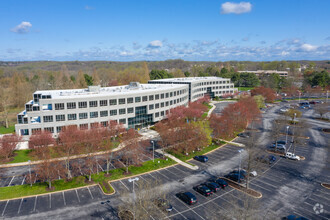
(9, 130)
(59, 185)
(192, 154)
(245, 88)
(21, 156)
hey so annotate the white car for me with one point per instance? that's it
(253, 173)
(292, 156)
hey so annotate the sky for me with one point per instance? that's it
(194, 30)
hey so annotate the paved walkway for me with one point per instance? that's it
(177, 160)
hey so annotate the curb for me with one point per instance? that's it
(239, 187)
(326, 185)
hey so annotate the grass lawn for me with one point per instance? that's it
(245, 88)
(9, 130)
(41, 188)
(21, 156)
(192, 154)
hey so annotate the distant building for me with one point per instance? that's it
(135, 105)
(260, 73)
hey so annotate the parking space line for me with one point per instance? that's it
(23, 180)
(148, 213)
(50, 200)
(144, 179)
(190, 208)
(20, 205)
(35, 204)
(3, 212)
(163, 175)
(64, 198)
(11, 180)
(90, 192)
(152, 176)
(179, 170)
(101, 168)
(112, 165)
(77, 195)
(178, 213)
(124, 185)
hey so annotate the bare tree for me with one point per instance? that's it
(322, 109)
(8, 144)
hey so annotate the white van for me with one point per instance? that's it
(292, 156)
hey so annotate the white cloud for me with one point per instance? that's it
(236, 8)
(308, 47)
(285, 53)
(22, 28)
(155, 44)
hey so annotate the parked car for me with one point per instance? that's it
(163, 205)
(279, 148)
(264, 159)
(312, 102)
(204, 190)
(282, 142)
(187, 197)
(201, 158)
(214, 187)
(293, 217)
(244, 135)
(235, 177)
(292, 156)
(222, 183)
(244, 173)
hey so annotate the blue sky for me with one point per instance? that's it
(159, 30)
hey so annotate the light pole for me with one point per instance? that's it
(132, 180)
(299, 97)
(287, 131)
(239, 166)
(30, 172)
(153, 151)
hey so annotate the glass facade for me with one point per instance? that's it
(141, 119)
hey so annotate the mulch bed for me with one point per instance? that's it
(248, 191)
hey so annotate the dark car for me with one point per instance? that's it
(293, 217)
(312, 102)
(214, 187)
(282, 142)
(264, 159)
(235, 177)
(222, 183)
(204, 190)
(187, 197)
(244, 135)
(241, 172)
(201, 158)
(163, 204)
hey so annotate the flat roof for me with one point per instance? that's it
(97, 91)
(189, 79)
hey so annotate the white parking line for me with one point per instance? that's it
(3, 212)
(148, 213)
(124, 185)
(144, 179)
(77, 195)
(253, 183)
(179, 213)
(64, 198)
(50, 200)
(23, 180)
(20, 205)
(152, 176)
(35, 204)
(179, 169)
(101, 167)
(11, 180)
(90, 192)
(190, 208)
(162, 174)
(112, 165)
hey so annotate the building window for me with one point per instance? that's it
(121, 101)
(103, 102)
(130, 110)
(71, 105)
(151, 107)
(167, 103)
(113, 112)
(92, 103)
(59, 106)
(36, 130)
(93, 114)
(145, 98)
(162, 96)
(83, 126)
(157, 105)
(82, 104)
(83, 115)
(171, 94)
(60, 117)
(157, 96)
(113, 101)
(122, 121)
(162, 113)
(72, 117)
(103, 113)
(151, 97)
(137, 99)
(162, 104)
(48, 118)
(122, 111)
(157, 114)
(95, 125)
(59, 129)
(129, 100)
(49, 129)
(171, 102)
(104, 123)
(167, 95)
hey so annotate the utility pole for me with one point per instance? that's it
(239, 166)
(30, 172)
(132, 180)
(153, 151)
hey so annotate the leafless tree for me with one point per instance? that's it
(322, 109)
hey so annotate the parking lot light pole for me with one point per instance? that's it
(287, 132)
(239, 166)
(132, 180)
(153, 151)
(30, 172)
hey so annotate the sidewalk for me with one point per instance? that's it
(177, 160)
